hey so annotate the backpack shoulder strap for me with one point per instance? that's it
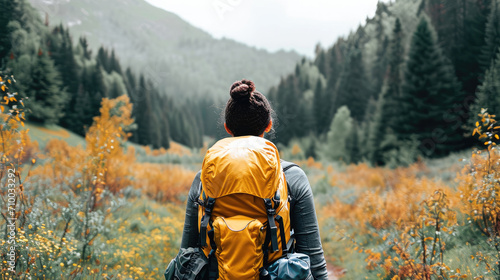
(285, 165)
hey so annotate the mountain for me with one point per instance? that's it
(178, 58)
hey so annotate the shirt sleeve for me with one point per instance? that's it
(304, 221)
(190, 233)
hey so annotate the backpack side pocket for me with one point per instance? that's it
(294, 266)
(189, 264)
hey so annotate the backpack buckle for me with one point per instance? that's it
(209, 206)
(271, 211)
(276, 199)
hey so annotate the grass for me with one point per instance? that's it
(177, 154)
(43, 133)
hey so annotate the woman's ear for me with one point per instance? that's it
(269, 126)
(227, 130)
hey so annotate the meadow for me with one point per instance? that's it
(102, 208)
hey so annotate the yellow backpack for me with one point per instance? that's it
(244, 219)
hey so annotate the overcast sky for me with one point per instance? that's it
(274, 24)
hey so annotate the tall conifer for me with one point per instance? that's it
(429, 93)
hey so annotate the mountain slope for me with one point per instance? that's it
(177, 57)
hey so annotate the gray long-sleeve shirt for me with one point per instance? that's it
(302, 215)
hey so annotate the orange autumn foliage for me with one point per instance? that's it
(406, 218)
(389, 197)
(175, 149)
(163, 182)
(105, 164)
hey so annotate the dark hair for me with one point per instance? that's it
(247, 111)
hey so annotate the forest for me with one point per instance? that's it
(395, 126)
(409, 78)
(378, 75)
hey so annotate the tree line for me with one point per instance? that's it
(65, 81)
(408, 83)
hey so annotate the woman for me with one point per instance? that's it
(249, 113)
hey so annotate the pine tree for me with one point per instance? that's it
(114, 63)
(353, 91)
(287, 107)
(210, 115)
(114, 91)
(6, 15)
(142, 112)
(87, 54)
(175, 125)
(390, 105)
(91, 92)
(79, 118)
(47, 99)
(61, 49)
(97, 87)
(163, 122)
(387, 107)
(184, 127)
(320, 108)
(451, 31)
(380, 68)
(353, 144)
(429, 92)
(322, 63)
(336, 59)
(376, 131)
(157, 116)
(466, 60)
(488, 95)
(104, 59)
(149, 117)
(492, 36)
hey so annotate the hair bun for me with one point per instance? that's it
(242, 89)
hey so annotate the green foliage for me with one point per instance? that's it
(300, 149)
(492, 35)
(336, 146)
(468, 28)
(65, 84)
(423, 101)
(147, 122)
(48, 98)
(388, 108)
(429, 94)
(376, 131)
(353, 90)
(357, 70)
(185, 128)
(395, 152)
(285, 101)
(6, 12)
(320, 107)
(488, 95)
